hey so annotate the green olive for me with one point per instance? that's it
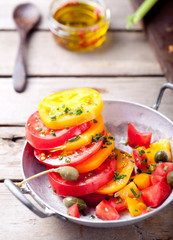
(161, 156)
(170, 178)
(68, 173)
(69, 201)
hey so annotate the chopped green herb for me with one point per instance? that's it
(119, 177)
(137, 159)
(112, 138)
(54, 190)
(148, 166)
(153, 164)
(60, 114)
(42, 132)
(73, 139)
(129, 156)
(66, 110)
(109, 143)
(70, 113)
(116, 173)
(92, 216)
(114, 149)
(141, 152)
(78, 111)
(119, 201)
(95, 121)
(122, 152)
(165, 168)
(126, 143)
(116, 156)
(136, 210)
(110, 157)
(40, 128)
(66, 127)
(148, 209)
(53, 117)
(107, 198)
(144, 160)
(132, 161)
(134, 193)
(103, 147)
(69, 214)
(149, 152)
(52, 133)
(137, 146)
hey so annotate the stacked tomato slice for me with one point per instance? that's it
(68, 130)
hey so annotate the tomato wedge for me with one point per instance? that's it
(41, 137)
(70, 108)
(105, 211)
(73, 211)
(63, 158)
(87, 182)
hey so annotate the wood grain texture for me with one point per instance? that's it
(22, 224)
(119, 11)
(20, 106)
(121, 54)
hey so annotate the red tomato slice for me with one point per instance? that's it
(105, 211)
(62, 158)
(140, 159)
(155, 179)
(138, 139)
(73, 211)
(155, 195)
(41, 137)
(118, 204)
(87, 182)
(143, 139)
(162, 169)
(131, 132)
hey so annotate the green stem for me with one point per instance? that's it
(143, 9)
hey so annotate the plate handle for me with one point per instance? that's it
(160, 95)
(19, 194)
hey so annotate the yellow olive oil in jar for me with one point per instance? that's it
(80, 26)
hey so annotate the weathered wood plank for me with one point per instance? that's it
(16, 108)
(119, 11)
(121, 54)
(17, 222)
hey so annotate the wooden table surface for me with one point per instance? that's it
(123, 68)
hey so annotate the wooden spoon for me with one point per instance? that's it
(26, 16)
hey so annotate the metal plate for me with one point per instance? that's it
(116, 115)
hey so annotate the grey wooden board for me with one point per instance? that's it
(16, 108)
(121, 54)
(17, 222)
(119, 11)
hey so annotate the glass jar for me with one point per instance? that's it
(79, 25)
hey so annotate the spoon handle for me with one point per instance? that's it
(19, 74)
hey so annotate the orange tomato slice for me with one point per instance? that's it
(96, 160)
(70, 108)
(97, 126)
(125, 166)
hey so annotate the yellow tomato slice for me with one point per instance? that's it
(70, 108)
(125, 166)
(85, 138)
(142, 180)
(128, 192)
(96, 160)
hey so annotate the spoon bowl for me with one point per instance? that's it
(26, 17)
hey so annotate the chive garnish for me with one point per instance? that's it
(116, 156)
(132, 161)
(42, 132)
(54, 190)
(165, 168)
(119, 177)
(40, 128)
(148, 209)
(52, 133)
(92, 216)
(134, 193)
(60, 114)
(78, 111)
(112, 138)
(66, 127)
(70, 113)
(95, 121)
(103, 147)
(141, 152)
(144, 160)
(122, 152)
(53, 117)
(136, 210)
(73, 139)
(109, 143)
(153, 164)
(137, 146)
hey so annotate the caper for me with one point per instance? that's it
(170, 178)
(68, 173)
(161, 156)
(69, 201)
